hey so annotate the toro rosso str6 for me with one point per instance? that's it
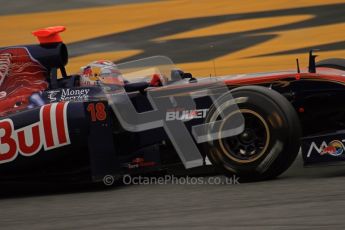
(148, 116)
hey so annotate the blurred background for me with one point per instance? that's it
(239, 36)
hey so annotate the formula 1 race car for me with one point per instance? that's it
(147, 116)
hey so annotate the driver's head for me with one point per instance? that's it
(100, 71)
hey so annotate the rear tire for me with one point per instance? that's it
(271, 139)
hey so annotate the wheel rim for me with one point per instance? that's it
(252, 143)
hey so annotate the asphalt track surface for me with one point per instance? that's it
(302, 198)
(310, 198)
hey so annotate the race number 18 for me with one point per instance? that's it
(97, 111)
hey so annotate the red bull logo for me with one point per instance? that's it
(329, 150)
(87, 71)
(333, 148)
(50, 132)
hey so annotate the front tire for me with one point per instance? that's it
(270, 141)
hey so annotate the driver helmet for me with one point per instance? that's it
(100, 71)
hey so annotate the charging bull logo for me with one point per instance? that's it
(51, 132)
(334, 148)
